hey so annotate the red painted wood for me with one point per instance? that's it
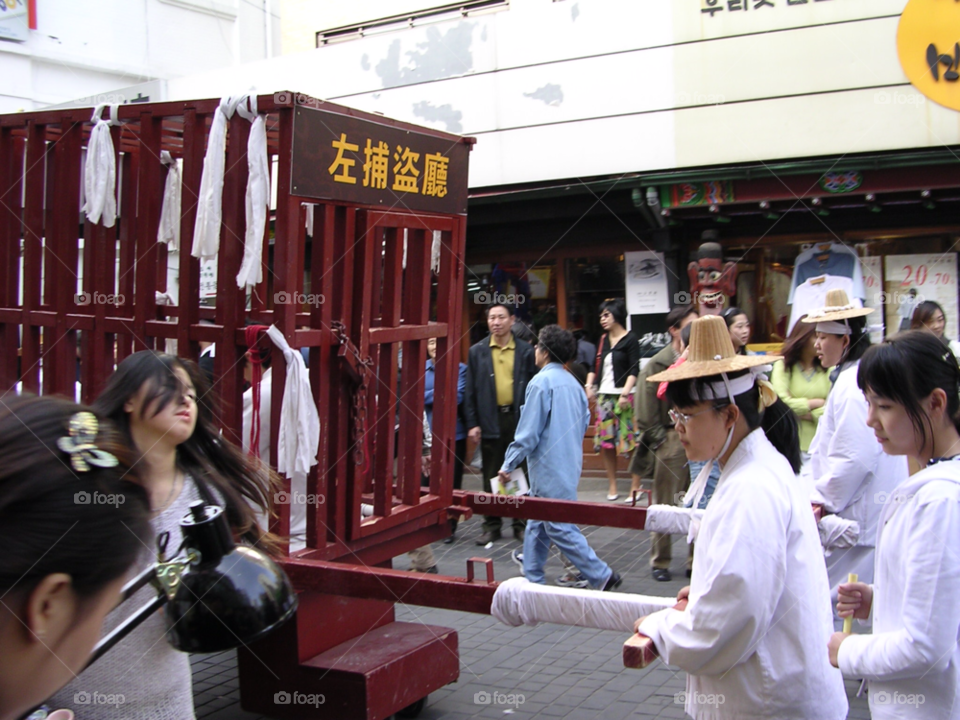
(33, 231)
(570, 511)
(189, 278)
(11, 186)
(129, 172)
(149, 196)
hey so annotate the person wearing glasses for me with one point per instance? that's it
(753, 631)
(611, 385)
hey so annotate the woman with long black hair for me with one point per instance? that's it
(162, 405)
(912, 658)
(758, 607)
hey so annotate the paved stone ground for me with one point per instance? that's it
(560, 672)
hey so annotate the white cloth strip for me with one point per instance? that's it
(837, 533)
(206, 229)
(258, 194)
(299, 420)
(832, 327)
(100, 171)
(729, 389)
(169, 230)
(671, 520)
(520, 602)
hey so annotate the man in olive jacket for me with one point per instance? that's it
(659, 452)
(498, 370)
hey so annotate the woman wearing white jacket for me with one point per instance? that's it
(851, 474)
(912, 658)
(758, 614)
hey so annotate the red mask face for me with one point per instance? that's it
(711, 282)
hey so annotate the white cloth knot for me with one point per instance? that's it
(100, 171)
(299, 430)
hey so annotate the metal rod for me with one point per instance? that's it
(138, 582)
(126, 627)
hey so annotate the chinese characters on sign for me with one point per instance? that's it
(928, 46)
(715, 6)
(646, 289)
(341, 157)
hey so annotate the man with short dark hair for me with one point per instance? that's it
(498, 370)
(659, 453)
(549, 437)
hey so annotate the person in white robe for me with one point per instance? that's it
(911, 660)
(850, 473)
(750, 637)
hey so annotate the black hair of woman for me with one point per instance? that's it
(616, 307)
(69, 536)
(242, 481)
(905, 369)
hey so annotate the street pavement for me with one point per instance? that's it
(549, 671)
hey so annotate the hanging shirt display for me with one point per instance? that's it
(812, 295)
(837, 260)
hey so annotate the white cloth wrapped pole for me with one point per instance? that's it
(258, 194)
(100, 171)
(169, 230)
(206, 229)
(520, 602)
(837, 533)
(671, 520)
(299, 420)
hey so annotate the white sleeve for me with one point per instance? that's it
(733, 602)
(927, 641)
(851, 454)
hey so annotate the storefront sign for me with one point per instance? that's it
(646, 290)
(928, 43)
(714, 6)
(339, 157)
(539, 279)
(841, 182)
(15, 20)
(934, 277)
(690, 194)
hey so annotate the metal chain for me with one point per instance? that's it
(359, 407)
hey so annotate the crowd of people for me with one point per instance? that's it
(791, 477)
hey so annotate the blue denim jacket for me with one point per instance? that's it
(549, 436)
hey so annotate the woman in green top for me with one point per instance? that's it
(801, 382)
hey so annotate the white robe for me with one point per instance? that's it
(852, 475)
(913, 652)
(756, 628)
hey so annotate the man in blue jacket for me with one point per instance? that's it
(549, 437)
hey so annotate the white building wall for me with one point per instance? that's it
(82, 50)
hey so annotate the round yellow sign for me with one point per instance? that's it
(928, 43)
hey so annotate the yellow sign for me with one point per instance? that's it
(928, 43)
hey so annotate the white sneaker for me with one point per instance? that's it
(571, 580)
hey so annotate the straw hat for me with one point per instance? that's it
(711, 353)
(837, 307)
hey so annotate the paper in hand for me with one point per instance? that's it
(517, 485)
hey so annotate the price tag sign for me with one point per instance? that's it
(934, 277)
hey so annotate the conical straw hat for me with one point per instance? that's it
(711, 353)
(837, 307)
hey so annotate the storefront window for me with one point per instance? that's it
(590, 281)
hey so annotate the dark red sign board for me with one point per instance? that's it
(340, 157)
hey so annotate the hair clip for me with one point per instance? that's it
(80, 444)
